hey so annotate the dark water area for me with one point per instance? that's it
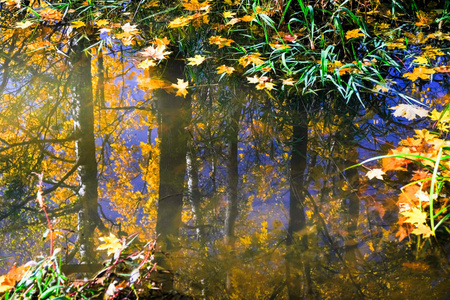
(249, 194)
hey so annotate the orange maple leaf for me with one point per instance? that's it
(14, 275)
(225, 69)
(419, 72)
(395, 163)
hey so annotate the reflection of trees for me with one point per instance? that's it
(174, 118)
(297, 239)
(83, 116)
(51, 124)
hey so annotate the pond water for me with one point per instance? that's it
(248, 193)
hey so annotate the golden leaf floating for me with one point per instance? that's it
(409, 111)
(225, 69)
(181, 86)
(196, 60)
(419, 72)
(111, 244)
(354, 34)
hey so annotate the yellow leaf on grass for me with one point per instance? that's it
(111, 244)
(181, 86)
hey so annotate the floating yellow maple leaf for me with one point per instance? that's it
(431, 52)
(220, 41)
(254, 79)
(424, 19)
(51, 15)
(425, 135)
(130, 29)
(247, 18)
(399, 44)
(196, 60)
(288, 81)
(422, 229)
(102, 22)
(78, 24)
(353, 34)
(225, 69)
(251, 58)
(415, 216)
(162, 42)
(409, 111)
(24, 25)
(375, 173)
(421, 60)
(180, 22)
(111, 244)
(146, 64)
(419, 72)
(265, 85)
(155, 53)
(181, 86)
(194, 5)
(439, 117)
(229, 14)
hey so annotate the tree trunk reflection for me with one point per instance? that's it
(297, 240)
(83, 118)
(174, 117)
